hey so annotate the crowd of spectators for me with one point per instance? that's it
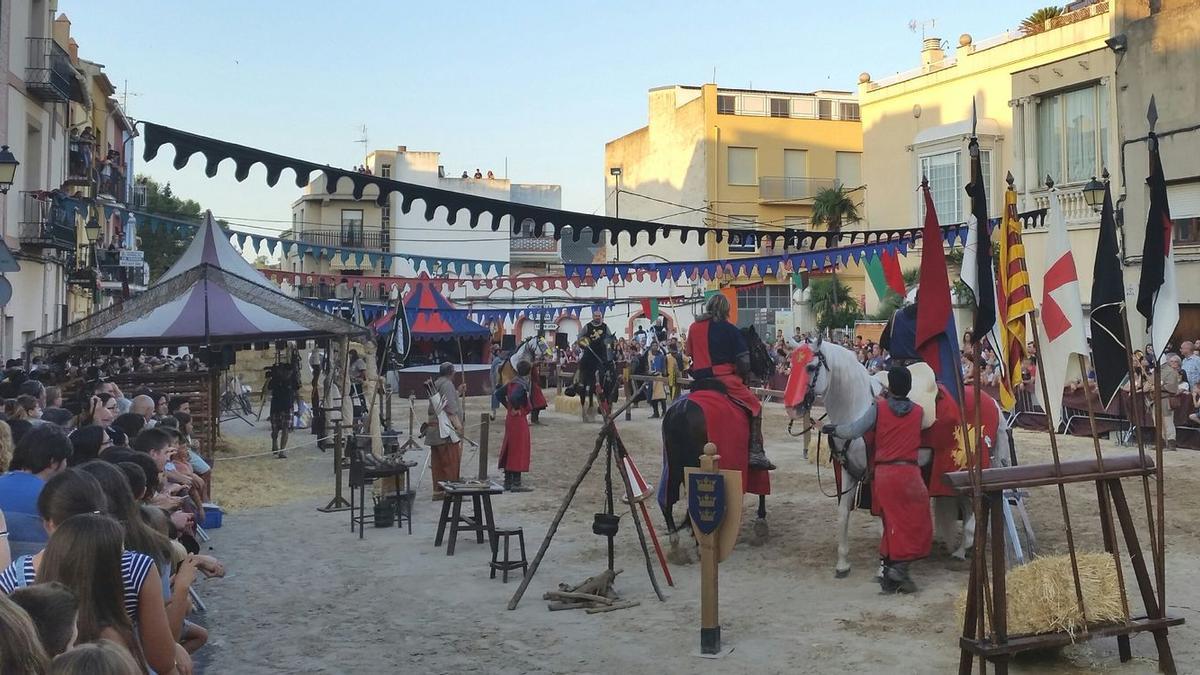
(99, 501)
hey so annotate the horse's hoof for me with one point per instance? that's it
(679, 556)
(761, 532)
(841, 574)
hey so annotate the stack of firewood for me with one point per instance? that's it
(595, 594)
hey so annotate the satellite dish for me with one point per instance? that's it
(5, 291)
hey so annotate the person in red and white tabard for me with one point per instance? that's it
(899, 492)
(515, 451)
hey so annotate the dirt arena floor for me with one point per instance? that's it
(304, 595)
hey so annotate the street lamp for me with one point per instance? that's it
(8, 169)
(1093, 193)
(92, 228)
(615, 172)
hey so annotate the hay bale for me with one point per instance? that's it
(819, 454)
(566, 404)
(1041, 594)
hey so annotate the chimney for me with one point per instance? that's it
(931, 51)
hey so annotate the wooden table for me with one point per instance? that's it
(481, 520)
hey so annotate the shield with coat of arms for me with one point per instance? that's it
(706, 500)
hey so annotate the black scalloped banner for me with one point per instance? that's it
(557, 221)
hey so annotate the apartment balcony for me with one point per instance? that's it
(789, 189)
(45, 224)
(356, 238)
(49, 75)
(113, 277)
(1075, 208)
(528, 248)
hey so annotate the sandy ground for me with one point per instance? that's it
(304, 595)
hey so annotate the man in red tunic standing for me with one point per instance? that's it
(719, 351)
(899, 493)
(515, 451)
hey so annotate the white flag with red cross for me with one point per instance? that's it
(1060, 319)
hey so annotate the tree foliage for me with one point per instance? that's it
(833, 303)
(162, 247)
(833, 208)
(1036, 22)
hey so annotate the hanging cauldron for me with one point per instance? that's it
(606, 524)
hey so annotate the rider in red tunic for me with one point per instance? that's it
(515, 451)
(899, 492)
(719, 351)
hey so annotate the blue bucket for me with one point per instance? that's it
(212, 517)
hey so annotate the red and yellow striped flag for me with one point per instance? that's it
(1015, 298)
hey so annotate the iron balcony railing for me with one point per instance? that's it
(49, 74)
(376, 240)
(787, 188)
(45, 224)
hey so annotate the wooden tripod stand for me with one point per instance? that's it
(998, 646)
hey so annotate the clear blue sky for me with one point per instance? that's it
(542, 84)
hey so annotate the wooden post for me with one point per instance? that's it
(484, 425)
(710, 623)
(338, 503)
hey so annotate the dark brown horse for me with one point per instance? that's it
(685, 431)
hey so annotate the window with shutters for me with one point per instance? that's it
(781, 107)
(848, 111)
(726, 105)
(1184, 202)
(825, 109)
(742, 166)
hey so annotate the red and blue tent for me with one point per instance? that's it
(431, 316)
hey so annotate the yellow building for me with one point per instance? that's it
(718, 158)
(1046, 104)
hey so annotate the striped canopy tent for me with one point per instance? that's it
(211, 296)
(431, 316)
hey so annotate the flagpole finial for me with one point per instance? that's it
(924, 181)
(1049, 182)
(1104, 175)
(1008, 178)
(974, 117)
(1152, 113)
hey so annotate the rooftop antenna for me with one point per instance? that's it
(125, 94)
(365, 142)
(913, 25)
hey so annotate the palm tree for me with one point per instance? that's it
(833, 303)
(1036, 22)
(832, 207)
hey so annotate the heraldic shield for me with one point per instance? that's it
(706, 500)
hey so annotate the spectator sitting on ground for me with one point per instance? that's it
(142, 537)
(102, 657)
(88, 442)
(19, 429)
(143, 405)
(130, 424)
(40, 455)
(178, 404)
(54, 611)
(20, 650)
(85, 553)
(200, 467)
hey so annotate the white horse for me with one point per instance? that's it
(835, 376)
(531, 349)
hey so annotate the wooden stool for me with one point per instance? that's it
(482, 520)
(507, 564)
